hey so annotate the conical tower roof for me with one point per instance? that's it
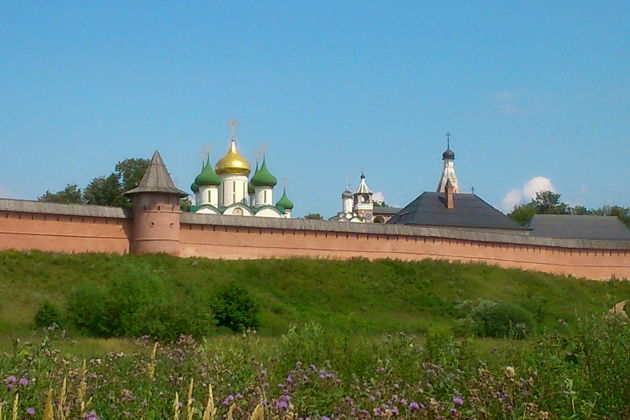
(263, 178)
(157, 179)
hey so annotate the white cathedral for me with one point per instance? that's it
(226, 188)
(359, 207)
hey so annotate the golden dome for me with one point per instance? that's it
(233, 163)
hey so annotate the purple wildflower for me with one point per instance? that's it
(281, 404)
(394, 411)
(11, 379)
(23, 382)
(414, 405)
(454, 411)
(458, 400)
(30, 411)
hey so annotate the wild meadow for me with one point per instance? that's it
(107, 337)
(308, 373)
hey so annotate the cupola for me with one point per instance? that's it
(448, 154)
(233, 163)
(284, 202)
(264, 178)
(207, 176)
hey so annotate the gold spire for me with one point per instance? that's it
(233, 163)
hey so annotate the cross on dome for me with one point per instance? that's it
(233, 126)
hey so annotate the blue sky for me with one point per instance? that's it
(527, 89)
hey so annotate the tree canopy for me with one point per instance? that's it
(103, 190)
(548, 202)
(72, 194)
(314, 216)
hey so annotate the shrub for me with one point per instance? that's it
(505, 320)
(486, 318)
(47, 316)
(234, 308)
(135, 305)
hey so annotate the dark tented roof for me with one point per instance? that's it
(578, 227)
(157, 179)
(429, 209)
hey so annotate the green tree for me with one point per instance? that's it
(314, 216)
(523, 214)
(579, 210)
(185, 204)
(70, 195)
(105, 191)
(548, 202)
(108, 191)
(130, 172)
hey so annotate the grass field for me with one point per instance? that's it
(356, 296)
(338, 339)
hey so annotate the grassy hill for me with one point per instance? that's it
(354, 297)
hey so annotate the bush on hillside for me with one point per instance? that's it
(137, 305)
(234, 308)
(505, 320)
(47, 316)
(486, 318)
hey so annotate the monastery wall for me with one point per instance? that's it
(28, 225)
(215, 236)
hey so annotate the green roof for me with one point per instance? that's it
(263, 178)
(194, 187)
(284, 202)
(207, 176)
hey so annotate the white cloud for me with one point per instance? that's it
(378, 196)
(537, 184)
(511, 199)
(520, 195)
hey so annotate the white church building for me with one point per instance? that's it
(227, 189)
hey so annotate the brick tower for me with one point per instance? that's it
(155, 211)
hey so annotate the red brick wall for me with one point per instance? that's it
(62, 233)
(232, 243)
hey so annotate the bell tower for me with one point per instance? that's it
(448, 172)
(155, 211)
